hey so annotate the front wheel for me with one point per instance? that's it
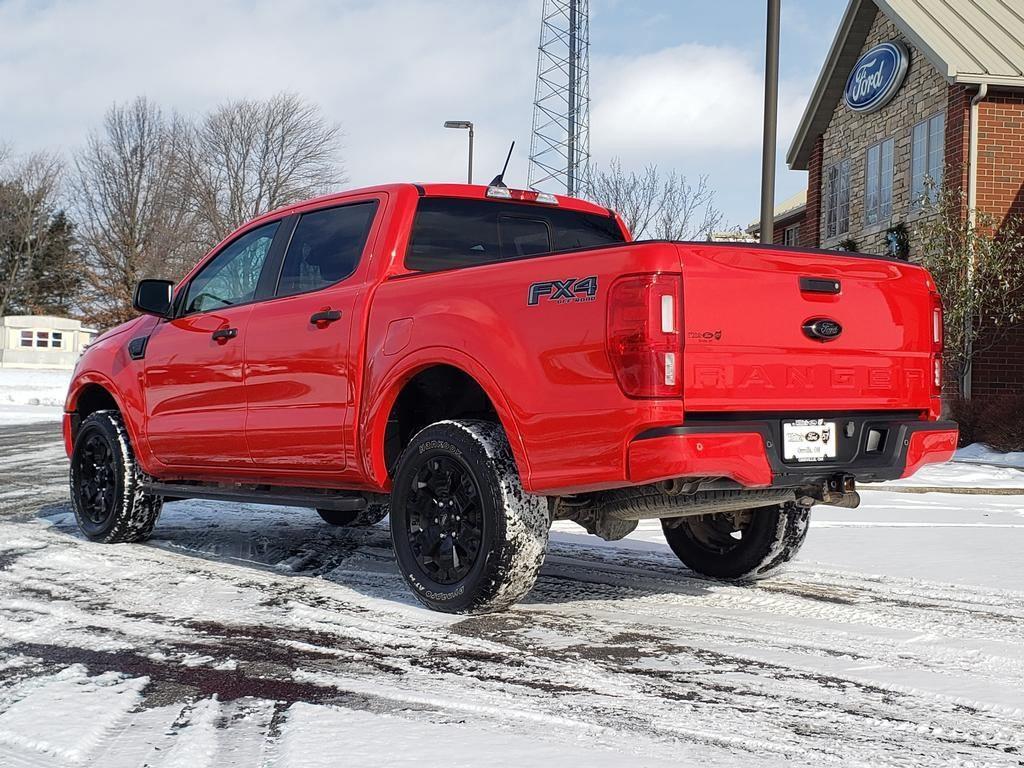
(467, 537)
(106, 483)
(745, 545)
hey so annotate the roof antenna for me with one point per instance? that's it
(499, 180)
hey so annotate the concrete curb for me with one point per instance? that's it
(940, 489)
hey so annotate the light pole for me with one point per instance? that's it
(469, 125)
(771, 111)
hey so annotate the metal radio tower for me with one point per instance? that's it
(560, 145)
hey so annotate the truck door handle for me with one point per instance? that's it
(224, 334)
(324, 317)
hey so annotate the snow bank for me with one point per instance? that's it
(980, 453)
(962, 474)
(33, 387)
(31, 395)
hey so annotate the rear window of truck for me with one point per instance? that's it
(449, 233)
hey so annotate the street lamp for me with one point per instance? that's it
(469, 125)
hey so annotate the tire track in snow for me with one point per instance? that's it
(615, 646)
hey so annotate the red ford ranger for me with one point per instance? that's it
(478, 362)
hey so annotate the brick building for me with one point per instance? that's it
(890, 121)
(788, 221)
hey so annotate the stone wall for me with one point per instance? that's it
(849, 135)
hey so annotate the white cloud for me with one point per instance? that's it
(391, 72)
(683, 100)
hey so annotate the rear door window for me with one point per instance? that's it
(325, 247)
(449, 232)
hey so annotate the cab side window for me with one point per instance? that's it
(232, 275)
(325, 247)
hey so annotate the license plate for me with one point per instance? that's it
(808, 440)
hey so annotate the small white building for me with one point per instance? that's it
(41, 341)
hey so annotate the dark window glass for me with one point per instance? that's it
(325, 247)
(523, 237)
(450, 232)
(232, 275)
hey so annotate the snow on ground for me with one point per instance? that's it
(28, 396)
(247, 635)
(961, 474)
(982, 454)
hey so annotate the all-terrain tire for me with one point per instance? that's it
(374, 512)
(106, 493)
(458, 479)
(769, 537)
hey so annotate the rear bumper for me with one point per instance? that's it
(748, 452)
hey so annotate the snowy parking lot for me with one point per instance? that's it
(244, 635)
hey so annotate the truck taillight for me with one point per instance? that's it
(937, 344)
(937, 336)
(645, 334)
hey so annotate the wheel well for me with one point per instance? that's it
(434, 394)
(92, 398)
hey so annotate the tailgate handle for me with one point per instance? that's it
(820, 285)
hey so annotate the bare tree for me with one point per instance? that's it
(654, 205)
(249, 157)
(28, 205)
(979, 271)
(133, 222)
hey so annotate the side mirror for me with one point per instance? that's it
(154, 297)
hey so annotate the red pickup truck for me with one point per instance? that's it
(479, 361)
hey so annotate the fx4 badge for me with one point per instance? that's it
(574, 290)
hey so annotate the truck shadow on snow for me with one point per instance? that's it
(296, 542)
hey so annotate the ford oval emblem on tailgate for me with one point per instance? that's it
(822, 329)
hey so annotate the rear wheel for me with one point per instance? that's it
(106, 483)
(745, 545)
(374, 512)
(467, 538)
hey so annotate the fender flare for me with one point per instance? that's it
(129, 412)
(374, 421)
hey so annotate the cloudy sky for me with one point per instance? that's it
(673, 82)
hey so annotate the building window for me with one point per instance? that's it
(43, 339)
(878, 182)
(791, 235)
(837, 199)
(926, 160)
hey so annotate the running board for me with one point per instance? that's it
(258, 494)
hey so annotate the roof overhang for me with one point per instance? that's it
(848, 43)
(828, 90)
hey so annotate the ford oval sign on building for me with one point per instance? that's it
(877, 76)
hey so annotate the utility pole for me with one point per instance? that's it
(771, 114)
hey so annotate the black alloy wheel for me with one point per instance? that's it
(107, 494)
(97, 479)
(444, 522)
(467, 537)
(744, 545)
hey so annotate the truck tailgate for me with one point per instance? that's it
(747, 348)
